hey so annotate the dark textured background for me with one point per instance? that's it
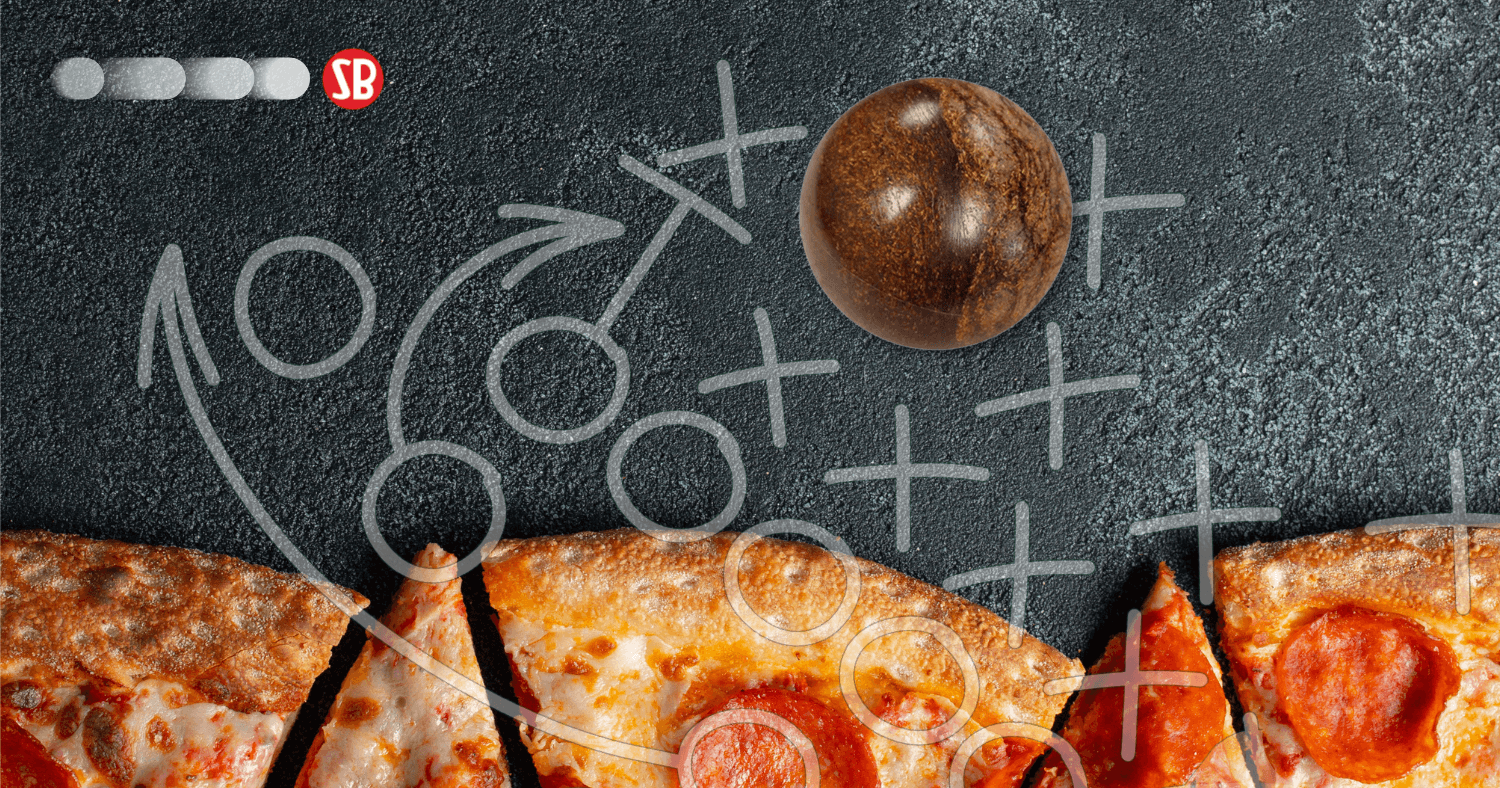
(1323, 311)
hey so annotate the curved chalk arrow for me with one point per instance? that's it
(569, 231)
(169, 300)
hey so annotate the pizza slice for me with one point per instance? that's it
(625, 644)
(1349, 650)
(126, 665)
(396, 724)
(1183, 734)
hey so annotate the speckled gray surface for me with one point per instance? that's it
(1324, 311)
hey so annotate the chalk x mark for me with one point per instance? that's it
(1055, 393)
(1459, 520)
(1019, 573)
(903, 471)
(733, 144)
(1131, 679)
(1097, 205)
(771, 372)
(1204, 520)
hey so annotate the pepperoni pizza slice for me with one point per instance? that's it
(641, 655)
(1349, 650)
(1183, 734)
(396, 724)
(126, 665)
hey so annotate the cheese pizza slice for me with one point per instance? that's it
(394, 723)
(750, 660)
(1182, 735)
(1350, 651)
(126, 665)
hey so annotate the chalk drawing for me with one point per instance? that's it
(1204, 519)
(956, 649)
(771, 372)
(1131, 679)
(853, 582)
(903, 470)
(1016, 730)
(1055, 393)
(733, 144)
(247, 328)
(1097, 205)
(1459, 520)
(1019, 573)
(729, 448)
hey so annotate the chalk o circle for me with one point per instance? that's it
(571, 325)
(303, 243)
(411, 451)
(950, 641)
(1015, 730)
(764, 628)
(729, 448)
(683, 760)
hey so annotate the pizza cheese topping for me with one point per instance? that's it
(1364, 690)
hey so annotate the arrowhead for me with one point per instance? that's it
(168, 300)
(571, 229)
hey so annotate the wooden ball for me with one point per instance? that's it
(935, 213)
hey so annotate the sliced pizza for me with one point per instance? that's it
(1349, 650)
(126, 665)
(1183, 732)
(396, 724)
(631, 648)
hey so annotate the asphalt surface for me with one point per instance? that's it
(1321, 312)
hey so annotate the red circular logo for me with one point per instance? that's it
(353, 78)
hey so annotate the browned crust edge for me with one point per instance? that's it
(628, 581)
(75, 610)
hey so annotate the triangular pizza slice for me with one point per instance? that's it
(749, 660)
(1183, 734)
(1361, 670)
(394, 724)
(125, 665)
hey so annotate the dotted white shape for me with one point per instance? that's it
(217, 78)
(77, 78)
(279, 78)
(143, 78)
(771, 372)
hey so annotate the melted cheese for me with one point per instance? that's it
(168, 740)
(628, 696)
(396, 724)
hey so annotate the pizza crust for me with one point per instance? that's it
(1265, 592)
(83, 611)
(625, 581)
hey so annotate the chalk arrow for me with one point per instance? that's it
(168, 298)
(569, 230)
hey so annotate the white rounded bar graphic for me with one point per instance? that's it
(279, 78)
(217, 78)
(950, 640)
(728, 447)
(77, 78)
(162, 78)
(764, 628)
(143, 78)
(683, 761)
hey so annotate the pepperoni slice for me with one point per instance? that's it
(755, 756)
(1176, 727)
(1364, 691)
(24, 761)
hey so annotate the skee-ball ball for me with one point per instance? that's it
(935, 213)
